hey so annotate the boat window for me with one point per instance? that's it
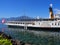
(52, 23)
(33, 23)
(23, 23)
(58, 23)
(55, 23)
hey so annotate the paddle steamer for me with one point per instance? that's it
(51, 23)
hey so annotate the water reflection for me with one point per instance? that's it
(34, 37)
(2, 30)
(37, 33)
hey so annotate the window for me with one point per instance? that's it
(58, 23)
(39, 23)
(52, 23)
(55, 23)
(33, 23)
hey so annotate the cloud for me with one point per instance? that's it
(57, 11)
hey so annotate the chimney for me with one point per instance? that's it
(51, 12)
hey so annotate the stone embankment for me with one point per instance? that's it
(13, 41)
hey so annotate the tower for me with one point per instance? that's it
(51, 12)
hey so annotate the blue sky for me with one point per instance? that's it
(32, 8)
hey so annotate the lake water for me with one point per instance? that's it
(31, 36)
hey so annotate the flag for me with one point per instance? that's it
(3, 20)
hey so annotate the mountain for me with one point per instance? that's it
(23, 18)
(17, 18)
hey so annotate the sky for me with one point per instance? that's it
(31, 8)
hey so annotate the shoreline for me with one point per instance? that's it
(13, 41)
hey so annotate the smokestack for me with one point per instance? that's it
(51, 12)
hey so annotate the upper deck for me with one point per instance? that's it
(45, 19)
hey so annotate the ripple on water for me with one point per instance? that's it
(34, 37)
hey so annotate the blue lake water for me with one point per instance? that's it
(31, 36)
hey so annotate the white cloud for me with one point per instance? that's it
(57, 11)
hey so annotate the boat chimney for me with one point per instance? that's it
(51, 12)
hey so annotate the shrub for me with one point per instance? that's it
(4, 41)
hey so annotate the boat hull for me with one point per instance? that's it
(37, 28)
